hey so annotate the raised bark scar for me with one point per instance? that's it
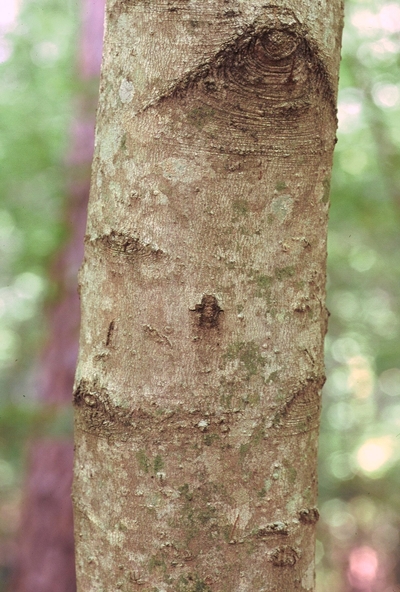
(283, 556)
(300, 413)
(110, 332)
(209, 311)
(127, 245)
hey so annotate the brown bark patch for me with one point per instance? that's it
(284, 556)
(263, 88)
(97, 415)
(309, 515)
(280, 528)
(301, 411)
(208, 311)
(129, 246)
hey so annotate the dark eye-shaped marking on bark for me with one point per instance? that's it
(266, 92)
(273, 63)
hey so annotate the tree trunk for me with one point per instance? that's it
(197, 392)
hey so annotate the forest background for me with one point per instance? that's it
(358, 547)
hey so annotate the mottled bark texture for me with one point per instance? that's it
(197, 393)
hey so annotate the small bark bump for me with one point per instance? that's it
(284, 556)
(280, 528)
(309, 515)
(128, 246)
(208, 311)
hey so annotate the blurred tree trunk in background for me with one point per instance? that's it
(45, 554)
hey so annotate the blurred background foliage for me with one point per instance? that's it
(358, 546)
(38, 84)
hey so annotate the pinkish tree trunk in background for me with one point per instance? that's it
(45, 556)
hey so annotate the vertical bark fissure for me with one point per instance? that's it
(198, 387)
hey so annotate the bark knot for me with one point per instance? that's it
(283, 556)
(279, 44)
(208, 311)
(309, 515)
